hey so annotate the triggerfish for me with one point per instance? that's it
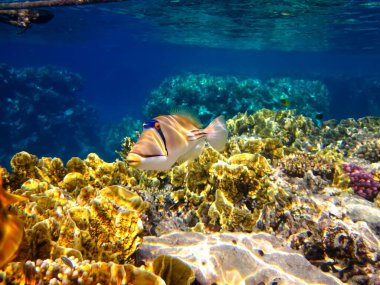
(11, 229)
(168, 139)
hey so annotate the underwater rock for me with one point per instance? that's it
(328, 238)
(359, 209)
(217, 258)
(203, 92)
(72, 271)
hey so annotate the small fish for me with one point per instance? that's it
(11, 229)
(285, 102)
(168, 139)
(319, 116)
(67, 261)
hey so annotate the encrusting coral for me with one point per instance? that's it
(103, 226)
(71, 211)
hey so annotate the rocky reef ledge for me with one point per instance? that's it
(286, 202)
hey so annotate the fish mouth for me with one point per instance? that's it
(133, 159)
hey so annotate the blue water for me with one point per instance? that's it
(122, 57)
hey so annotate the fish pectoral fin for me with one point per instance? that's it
(193, 153)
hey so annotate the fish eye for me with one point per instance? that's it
(157, 125)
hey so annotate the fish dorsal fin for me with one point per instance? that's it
(188, 114)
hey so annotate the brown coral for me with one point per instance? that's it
(298, 164)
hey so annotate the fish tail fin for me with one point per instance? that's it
(217, 133)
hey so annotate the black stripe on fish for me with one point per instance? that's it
(151, 124)
(196, 135)
(147, 156)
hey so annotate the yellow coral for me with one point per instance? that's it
(75, 164)
(74, 181)
(99, 224)
(23, 165)
(240, 175)
(173, 270)
(51, 170)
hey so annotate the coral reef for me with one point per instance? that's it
(291, 129)
(203, 92)
(281, 179)
(347, 139)
(353, 138)
(78, 210)
(45, 113)
(361, 210)
(349, 249)
(104, 225)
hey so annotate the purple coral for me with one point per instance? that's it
(362, 181)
